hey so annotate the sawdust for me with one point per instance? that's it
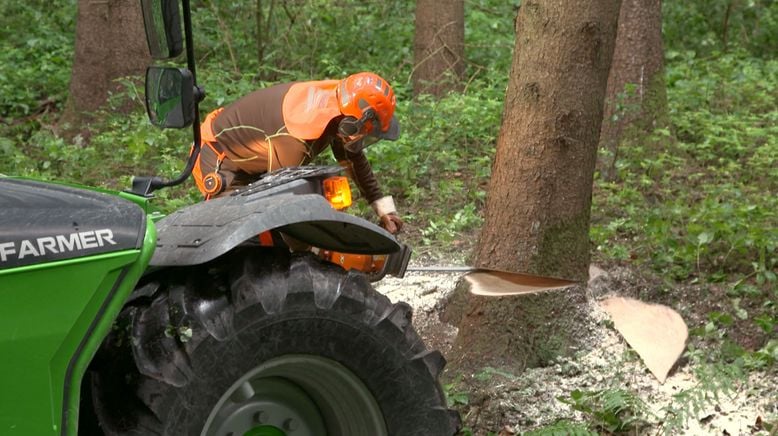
(499, 400)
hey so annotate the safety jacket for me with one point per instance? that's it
(280, 126)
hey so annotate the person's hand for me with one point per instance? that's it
(392, 223)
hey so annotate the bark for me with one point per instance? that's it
(110, 44)
(439, 47)
(537, 211)
(636, 100)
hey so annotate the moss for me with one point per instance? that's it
(563, 250)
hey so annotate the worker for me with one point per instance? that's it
(290, 124)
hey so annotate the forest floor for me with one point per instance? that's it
(495, 401)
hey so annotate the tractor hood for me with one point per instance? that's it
(43, 222)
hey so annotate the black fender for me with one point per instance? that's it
(204, 231)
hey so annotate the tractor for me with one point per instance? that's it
(117, 320)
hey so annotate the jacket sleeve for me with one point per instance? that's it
(359, 170)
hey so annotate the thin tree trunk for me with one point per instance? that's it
(725, 24)
(636, 98)
(226, 36)
(264, 32)
(260, 35)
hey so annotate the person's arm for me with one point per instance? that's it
(359, 170)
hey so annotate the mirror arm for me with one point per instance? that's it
(199, 93)
(144, 186)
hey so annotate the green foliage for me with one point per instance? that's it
(707, 26)
(714, 380)
(439, 167)
(692, 203)
(455, 394)
(716, 331)
(36, 46)
(614, 411)
(489, 42)
(562, 428)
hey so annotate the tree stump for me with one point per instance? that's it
(515, 332)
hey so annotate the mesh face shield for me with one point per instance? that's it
(355, 135)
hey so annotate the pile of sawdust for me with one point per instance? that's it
(498, 400)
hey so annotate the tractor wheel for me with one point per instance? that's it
(262, 343)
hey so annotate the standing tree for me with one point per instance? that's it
(109, 45)
(537, 211)
(438, 47)
(636, 99)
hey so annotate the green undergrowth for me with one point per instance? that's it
(36, 51)
(696, 201)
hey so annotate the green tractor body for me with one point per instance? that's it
(57, 299)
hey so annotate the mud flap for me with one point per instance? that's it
(396, 264)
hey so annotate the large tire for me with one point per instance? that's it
(264, 343)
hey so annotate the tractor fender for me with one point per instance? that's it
(204, 231)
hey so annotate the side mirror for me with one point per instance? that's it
(170, 99)
(162, 21)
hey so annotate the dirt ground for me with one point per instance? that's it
(497, 401)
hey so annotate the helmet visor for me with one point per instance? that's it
(392, 133)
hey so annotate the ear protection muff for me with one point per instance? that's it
(349, 126)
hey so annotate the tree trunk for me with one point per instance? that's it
(439, 47)
(537, 211)
(636, 98)
(110, 43)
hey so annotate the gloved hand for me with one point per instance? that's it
(392, 223)
(384, 208)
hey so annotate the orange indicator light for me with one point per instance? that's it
(338, 192)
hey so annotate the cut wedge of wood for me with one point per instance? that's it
(656, 332)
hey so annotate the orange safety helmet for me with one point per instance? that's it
(369, 98)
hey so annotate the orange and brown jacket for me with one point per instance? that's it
(280, 126)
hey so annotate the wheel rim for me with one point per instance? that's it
(296, 395)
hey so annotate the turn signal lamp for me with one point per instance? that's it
(337, 192)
